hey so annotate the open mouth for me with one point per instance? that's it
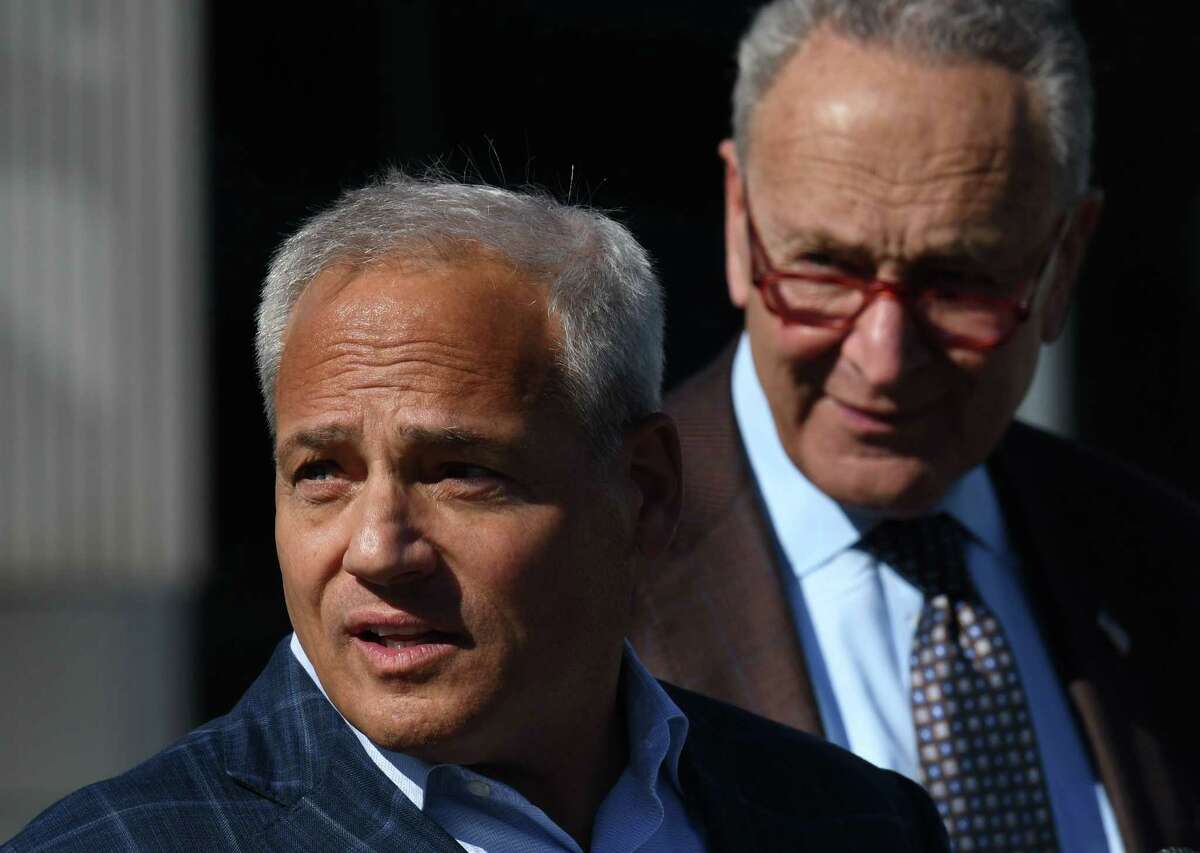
(404, 641)
(401, 645)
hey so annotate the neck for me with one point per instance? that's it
(570, 792)
(576, 765)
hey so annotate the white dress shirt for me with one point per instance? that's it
(856, 618)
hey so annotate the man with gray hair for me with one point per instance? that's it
(870, 548)
(463, 388)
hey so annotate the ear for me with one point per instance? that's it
(737, 249)
(654, 471)
(1071, 252)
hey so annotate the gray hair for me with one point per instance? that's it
(1034, 38)
(599, 281)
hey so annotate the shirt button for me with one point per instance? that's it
(479, 789)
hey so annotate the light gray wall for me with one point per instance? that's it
(102, 327)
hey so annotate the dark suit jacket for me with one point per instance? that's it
(1111, 564)
(283, 771)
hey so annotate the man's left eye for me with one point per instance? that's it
(466, 471)
(467, 481)
(956, 281)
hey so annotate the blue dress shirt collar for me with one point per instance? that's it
(657, 732)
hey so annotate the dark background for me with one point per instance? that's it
(621, 105)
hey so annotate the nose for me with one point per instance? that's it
(385, 546)
(884, 345)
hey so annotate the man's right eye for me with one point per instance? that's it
(818, 259)
(317, 470)
(823, 264)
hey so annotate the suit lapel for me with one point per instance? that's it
(356, 808)
(744, 804)
(734, 824)
(713, 616)
(731, 824)
(293, 748)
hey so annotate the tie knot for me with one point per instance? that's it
(926, 551)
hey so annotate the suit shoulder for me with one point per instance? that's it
(695, 396)
(762, 745)
(1111, 510)
(178, 799)
(1087, 472)
(784, 771)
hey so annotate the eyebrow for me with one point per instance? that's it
(817, 240)
(455, 436)
(316, 438)
(822, 240)
(319, 438)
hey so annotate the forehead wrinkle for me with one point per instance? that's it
(416, 358)
(857, 203)
(323, 436)
(418, 354)
(968, 138)
(431, 368)
(933, 178)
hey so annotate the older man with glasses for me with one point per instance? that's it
(871, 548)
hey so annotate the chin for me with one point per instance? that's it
(420, 727)
(895, 486)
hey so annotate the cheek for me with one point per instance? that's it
(793, 362)
(500, 561)
(997, 382)
(590, 590)
(774, 342)
(549, 588)
(310, 553)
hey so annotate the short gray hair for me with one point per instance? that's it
(599, 281)
(1034, 38)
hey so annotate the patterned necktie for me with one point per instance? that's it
(978, 754)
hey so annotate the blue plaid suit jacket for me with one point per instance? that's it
(282, 771)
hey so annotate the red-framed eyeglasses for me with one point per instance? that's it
(955, 311)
